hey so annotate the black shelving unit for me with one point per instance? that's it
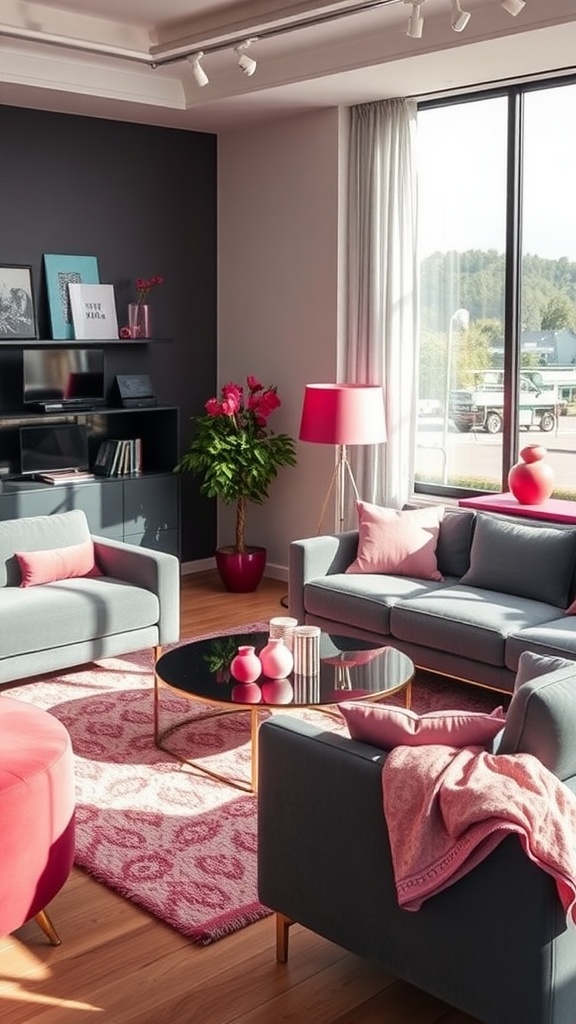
(140, 509)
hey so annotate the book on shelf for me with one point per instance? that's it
(65, 476)
(119, 457)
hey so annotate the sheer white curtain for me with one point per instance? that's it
(381, 338)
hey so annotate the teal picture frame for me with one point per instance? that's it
(60, 271)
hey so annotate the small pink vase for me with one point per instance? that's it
(531, 480)
(277, 661)
(246, 667)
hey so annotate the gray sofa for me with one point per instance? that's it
(134, 604)
(495, 944)
(507, 583)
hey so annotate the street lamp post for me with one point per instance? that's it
(459, 320)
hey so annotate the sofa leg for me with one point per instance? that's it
(156, 652)
(282, 929)
(47, 927)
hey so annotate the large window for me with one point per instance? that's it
(497, 235)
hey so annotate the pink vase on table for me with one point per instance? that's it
(277, 661)
(246, 666)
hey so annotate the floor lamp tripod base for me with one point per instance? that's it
(342, 472)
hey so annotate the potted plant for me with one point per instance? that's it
(237, 457)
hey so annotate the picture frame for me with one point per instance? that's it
(61, 271)
(93, 309)
(17, 306)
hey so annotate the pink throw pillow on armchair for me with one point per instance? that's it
(38, 567)
(385, 726)
(402, 543)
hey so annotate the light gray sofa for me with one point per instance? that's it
(134, 604)
(495, 944)
(507, 583)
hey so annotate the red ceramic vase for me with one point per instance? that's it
(531, 480)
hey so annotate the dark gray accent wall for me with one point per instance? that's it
(143, 200)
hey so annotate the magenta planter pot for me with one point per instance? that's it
(241, 573)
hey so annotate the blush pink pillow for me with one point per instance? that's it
(38, 567)
(399, 543)
(385, 726)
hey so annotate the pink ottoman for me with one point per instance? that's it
(37, 803)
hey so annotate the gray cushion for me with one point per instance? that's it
(465, 621)
(556, 638)
(38, 533)
(532, 666)
(360, 601)
(541, 720)
(35, 619)
(454, 540)
(529, 561)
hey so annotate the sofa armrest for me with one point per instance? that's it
(156, 571)
(321, 823)
(313, 557)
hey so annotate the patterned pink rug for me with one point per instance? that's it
(173, 841)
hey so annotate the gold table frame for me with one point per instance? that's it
(161, 736)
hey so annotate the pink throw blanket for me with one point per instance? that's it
(447, 808)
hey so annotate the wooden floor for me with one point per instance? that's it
(117, 964)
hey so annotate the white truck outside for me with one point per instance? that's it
(482, 407)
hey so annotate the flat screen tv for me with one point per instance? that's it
(56, 378)
(46, 449)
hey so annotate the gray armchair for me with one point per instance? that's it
(133, 604)
(495, 944)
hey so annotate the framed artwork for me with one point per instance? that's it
(62, 271)
(93, 310)
(17, 309)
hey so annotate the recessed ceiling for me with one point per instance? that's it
(95, 56)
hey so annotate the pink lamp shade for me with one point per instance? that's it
(343, 414)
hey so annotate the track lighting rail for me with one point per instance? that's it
(160, 57)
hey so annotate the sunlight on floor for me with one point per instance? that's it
(18, 995)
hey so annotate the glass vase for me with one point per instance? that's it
(139, 320)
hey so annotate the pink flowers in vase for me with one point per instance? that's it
(144, 287)
(138, 325)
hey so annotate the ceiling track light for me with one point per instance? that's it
(164, 56)
(246, 63)
(415, 21)
(513, 7)
(460, 18)
(198, 73)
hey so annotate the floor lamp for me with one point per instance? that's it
(342, 415)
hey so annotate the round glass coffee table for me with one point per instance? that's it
(350, 669)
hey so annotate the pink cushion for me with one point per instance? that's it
(57, 564)
(399, 543)
(387, 727)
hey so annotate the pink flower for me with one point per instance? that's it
(212, 407)
(230, 405)
(144, 285)
(262, 405)
(253, 383)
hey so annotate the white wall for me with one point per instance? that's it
(280, 255)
